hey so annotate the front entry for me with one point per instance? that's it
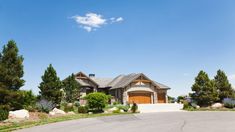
(140, 98)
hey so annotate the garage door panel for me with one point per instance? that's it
(161, 97)
(140, 98)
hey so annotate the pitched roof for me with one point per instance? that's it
(82, 83)
(162, 86)
(118, 82)
(123, 80)
(87, 77)
(102, 82)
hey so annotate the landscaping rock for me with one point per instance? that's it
(217, 105)
(197, 107)
(70, 105)
(71, 113)
(122, 111)
(90, 113)
(19, 114)
(112, 109)
(106, 112)
(58, 111)
(51, 113)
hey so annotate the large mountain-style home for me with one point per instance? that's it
(135, 87)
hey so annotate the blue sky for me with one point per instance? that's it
(168, 40)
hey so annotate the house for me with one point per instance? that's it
(135, 87)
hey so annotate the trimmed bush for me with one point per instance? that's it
(82, 109)
(76, 103)
(97, 101)
(229, 103)
(4, 112)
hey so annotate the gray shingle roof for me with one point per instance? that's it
(162, 86)
(82, 83)
(102, 82)
(123, 80)
(118, 82)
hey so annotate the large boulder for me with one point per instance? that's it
(19, 114)
(216, 105)
(56, 111)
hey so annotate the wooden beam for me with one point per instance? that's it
(81, 77)
(144, 81)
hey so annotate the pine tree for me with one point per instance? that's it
(11, 67)
(223, 86)
(204, 91)
(50, 87)
(71, 89)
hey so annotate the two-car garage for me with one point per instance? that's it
(145, 97)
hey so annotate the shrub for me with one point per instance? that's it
(97, 101)
(45, 106)
(28, 98)
(76, 103)
(68, 107)
(17, 99)
(82, 109)
(134, 108)
(123, 107)
(4, 112)
(116, 103)
(11, 98)
(116, 111)
(229, 103)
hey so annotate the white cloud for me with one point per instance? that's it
(119, 19)
(113, 19)
(92, 21)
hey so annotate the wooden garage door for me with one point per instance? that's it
(161, 98)
(140, 98)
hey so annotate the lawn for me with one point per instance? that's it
(27, 124)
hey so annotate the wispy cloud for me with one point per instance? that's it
(92, 21)
(113, 19)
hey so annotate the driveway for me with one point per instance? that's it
(152, 122)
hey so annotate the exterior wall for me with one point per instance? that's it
(132, 85)
(162, 91)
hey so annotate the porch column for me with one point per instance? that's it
(125, 98)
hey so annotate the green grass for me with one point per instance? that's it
(27, 124)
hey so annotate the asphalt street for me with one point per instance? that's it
(150, 122)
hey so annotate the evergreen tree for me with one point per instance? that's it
(71, 89)
(50, 87)
(223, 86)
(11, 67)
(204, 91)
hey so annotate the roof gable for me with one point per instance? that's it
(81, 75)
